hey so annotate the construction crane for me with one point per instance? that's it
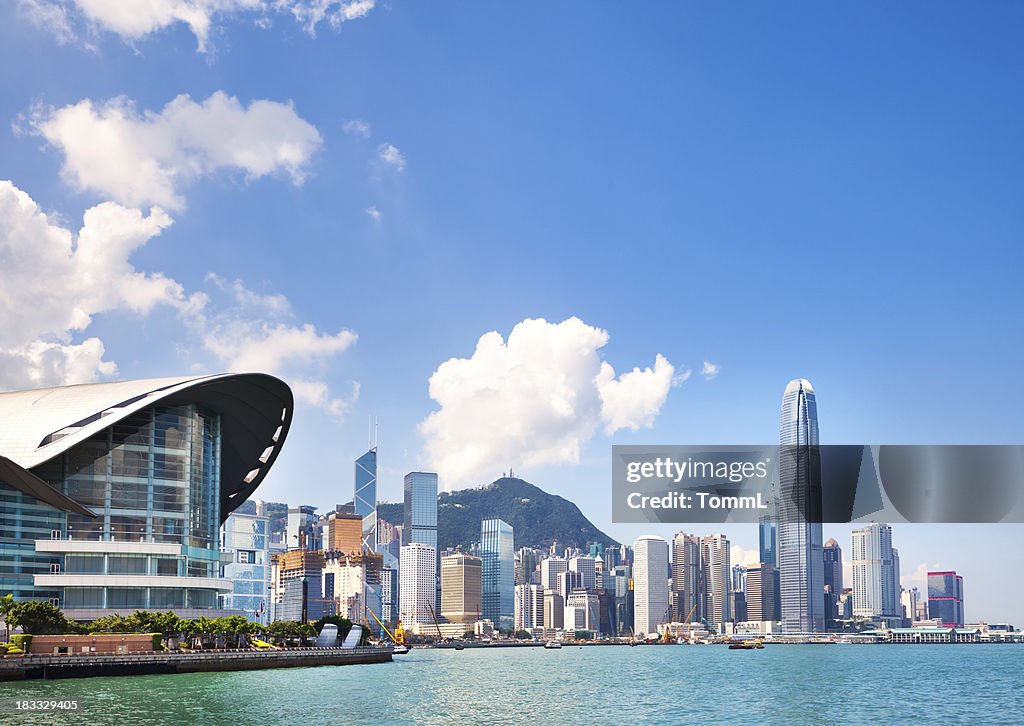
(440, 638)
(398, 637)
(689, 631)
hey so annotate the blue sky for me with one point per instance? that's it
(785, 191)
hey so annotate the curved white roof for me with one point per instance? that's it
(255, 409)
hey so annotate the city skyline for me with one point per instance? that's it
(391, 252)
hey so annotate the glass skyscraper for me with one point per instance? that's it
(421, 518)
(365, 498)
(946, 598)
(497, 552)
(801, 567)
(245, 537)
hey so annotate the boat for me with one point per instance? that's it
(400, 649)
(552, 645)
(746, 645)
(460, 646)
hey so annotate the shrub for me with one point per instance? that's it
(14, 650)
(157, 637)
(23, 641)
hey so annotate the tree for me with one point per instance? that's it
(6, 604)
(38, 618)
(523, 635)
(469, 634)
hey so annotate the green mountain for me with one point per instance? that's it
(537, 518)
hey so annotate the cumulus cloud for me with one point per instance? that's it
(355, 127)
(534, 399)
(742, 556)
(709, 370)
(374, 212)
(53, 282)
(140, 158)
(389, 154)
(134, 21)
(256, 332)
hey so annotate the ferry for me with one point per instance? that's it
(552, 645)
(747, 645)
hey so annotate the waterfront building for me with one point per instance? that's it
(876, 577)
(832, 557)
(365, 497)
(529, 607)
(416, 589)
(801, 568)
(910, 601)
(550, 569)
(114, 493)
(761, 586)
(296, 588)
(301, 532)
(650, 584)
(246, 562)
(554, 611)
(737, 606)
(582, 611)
(420, 516)
(497, 552)
(687, 594)
(461, 588)
(716, 566)
(344, 533)
(946, 598)
(586, 571)
(623, 599)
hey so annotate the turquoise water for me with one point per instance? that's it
(978, 684)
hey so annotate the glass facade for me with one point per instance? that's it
(497, 553)
(946, 598)
(152, 478)
(245, 538)
(365, 498)
(801, 568)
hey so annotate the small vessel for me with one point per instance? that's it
(747, 645)
(552, 645)
(400, 649)
(460, 646)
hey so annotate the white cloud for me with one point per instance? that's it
(311, 13)
(53, 282)
(918, 578)
(374, 212)
(355, 127)
(633, 399)
(741, 556)
(134, 20)
(139, 158)
(49, 16)
(254, 332)
(709, 370)
(535, 399)
(390, 154)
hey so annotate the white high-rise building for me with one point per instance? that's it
(529, 607)
(650, 584)
(586, 571)
(550, 569)
(417, 577)
(876, 576)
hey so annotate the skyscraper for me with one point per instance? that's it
(416, 588)
(876, 584)
(461, 588)
(497, 552)
(365, 499)
(832, 557)
(687, 596)
(584, 567)
(421, 508)
(650, 584)
(801, 568)
(760, 591)
(946, 598)
(715, 561)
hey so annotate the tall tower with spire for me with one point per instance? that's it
(801, 567)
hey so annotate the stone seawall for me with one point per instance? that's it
(13, 668)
